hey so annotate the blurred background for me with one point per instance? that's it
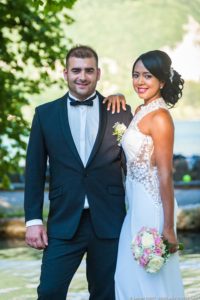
(34, 39)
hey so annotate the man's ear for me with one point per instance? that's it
(98, 73)
(65, 74)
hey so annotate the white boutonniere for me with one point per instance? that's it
(119, 129)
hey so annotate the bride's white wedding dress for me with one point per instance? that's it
(144, 209)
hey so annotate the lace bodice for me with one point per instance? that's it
(138, 149)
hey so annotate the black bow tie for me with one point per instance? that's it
(88, 102)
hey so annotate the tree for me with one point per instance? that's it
(31, 42)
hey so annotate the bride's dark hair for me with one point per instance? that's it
(158, 63)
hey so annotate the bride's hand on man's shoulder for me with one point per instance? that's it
(115, 102)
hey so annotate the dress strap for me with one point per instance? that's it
(146, 109)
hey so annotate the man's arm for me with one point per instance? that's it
(129, 117)
(34, 186)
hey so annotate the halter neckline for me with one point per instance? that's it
(158, 100)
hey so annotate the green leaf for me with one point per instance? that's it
(31, 40)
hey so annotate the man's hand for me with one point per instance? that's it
(36, 237)
(116, 101)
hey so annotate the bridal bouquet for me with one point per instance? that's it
(150, 250)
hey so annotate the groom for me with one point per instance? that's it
(87, 206)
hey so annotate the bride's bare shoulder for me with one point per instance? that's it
(162, 117)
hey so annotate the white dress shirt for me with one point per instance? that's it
(84, 124)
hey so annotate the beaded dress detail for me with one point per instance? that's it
(144, 208)
(139, 166)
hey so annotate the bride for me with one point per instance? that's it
(148, 146)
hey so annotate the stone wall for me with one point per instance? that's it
(188, 219)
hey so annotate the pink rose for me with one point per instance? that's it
(138, 240)
(143, 229)
(158, 241)
(158, 251)
(143, 261)
(147, 251)
(154, 230)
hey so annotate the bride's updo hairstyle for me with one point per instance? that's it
(158, 63)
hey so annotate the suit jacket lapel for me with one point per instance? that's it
(101, 130)
(66, 128)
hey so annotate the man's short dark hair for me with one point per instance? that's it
(81, 51)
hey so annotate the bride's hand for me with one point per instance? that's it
(116, 101)
(170, 236)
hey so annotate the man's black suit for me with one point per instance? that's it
(70, 181)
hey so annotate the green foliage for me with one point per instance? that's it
(6, 184)
(31, 42)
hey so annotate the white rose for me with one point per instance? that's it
(147, 240)
(137, 252)
(121, 127)
(155, 263)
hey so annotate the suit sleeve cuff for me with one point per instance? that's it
(34, 222)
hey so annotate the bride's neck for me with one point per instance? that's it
(146, 102)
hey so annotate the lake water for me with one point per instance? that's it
(187, 138)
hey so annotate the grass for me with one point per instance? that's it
(20, 269)
(17, 213)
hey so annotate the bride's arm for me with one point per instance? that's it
(162, 132)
